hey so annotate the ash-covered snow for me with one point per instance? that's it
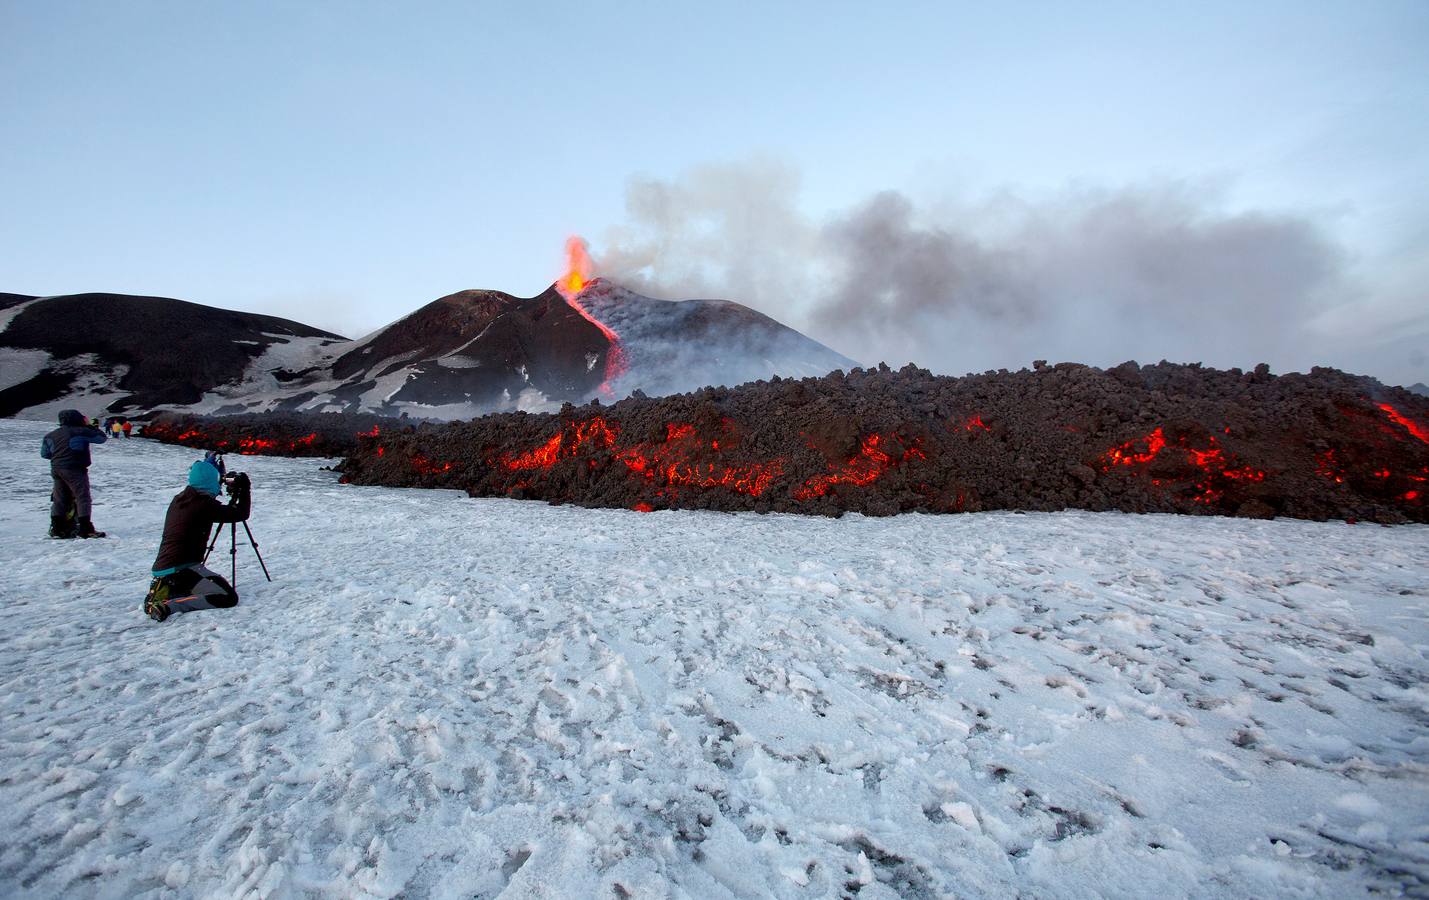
(447, 697)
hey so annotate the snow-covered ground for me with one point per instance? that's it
(447, 697)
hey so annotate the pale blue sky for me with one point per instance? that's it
(343, 163)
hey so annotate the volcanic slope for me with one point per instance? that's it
(466, 353)
(462, 355)
(441, 697)
(116, 352)
(671, 347)
(1162, 438)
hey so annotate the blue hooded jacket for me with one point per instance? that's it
(67, 447)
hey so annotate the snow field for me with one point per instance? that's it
(446, 697)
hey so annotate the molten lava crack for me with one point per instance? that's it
(1414, 428)
(674, 463)
(1210, 462)
(866, 467)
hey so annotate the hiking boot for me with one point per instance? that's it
(156, 604)
(60, 527)
(86, 530)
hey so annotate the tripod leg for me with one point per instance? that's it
(213, 542)
(233, 554)
(255, 551)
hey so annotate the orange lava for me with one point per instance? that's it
(1385, 481)
(676, 463)
(1129, 453)
(251, 446)
(680, 461)
(580, 271)
(1413, 427)
(1328, 466)
(427, 467)
(867, 466)
(1216, 470)
(570, 441)
(254, 446)
(247, 446)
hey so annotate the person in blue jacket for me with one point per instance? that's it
(67, 449)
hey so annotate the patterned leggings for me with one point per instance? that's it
(197, 587)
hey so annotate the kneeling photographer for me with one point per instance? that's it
(181, 581)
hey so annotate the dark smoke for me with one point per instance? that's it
(1092, 276)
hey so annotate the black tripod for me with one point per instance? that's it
(233, 550)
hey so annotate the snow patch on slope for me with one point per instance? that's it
(8, 315)
(455, 697)
(92, 392)
(18, 366)
(260, 390)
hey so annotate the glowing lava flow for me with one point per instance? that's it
(255, 446)
(1327, 466)
(579, 274)
(570, 441)
(672, 463)
(864, 468)
(1409, 424)
(247, 445)
(1216, 471)
(424, 466)
(1126, 454)
(252, 446)
(1381, 479)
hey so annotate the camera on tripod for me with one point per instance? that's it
(240, 481)
(236, 484)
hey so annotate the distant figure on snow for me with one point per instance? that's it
(67, 449)
(127, 427)
(181, 582)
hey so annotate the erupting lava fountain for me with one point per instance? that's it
(580, 275)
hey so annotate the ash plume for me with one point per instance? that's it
(1095, 276)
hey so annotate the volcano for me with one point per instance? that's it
(462, 355)
(476, 352)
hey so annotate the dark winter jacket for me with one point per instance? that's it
(191, 514)
(67, 447)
